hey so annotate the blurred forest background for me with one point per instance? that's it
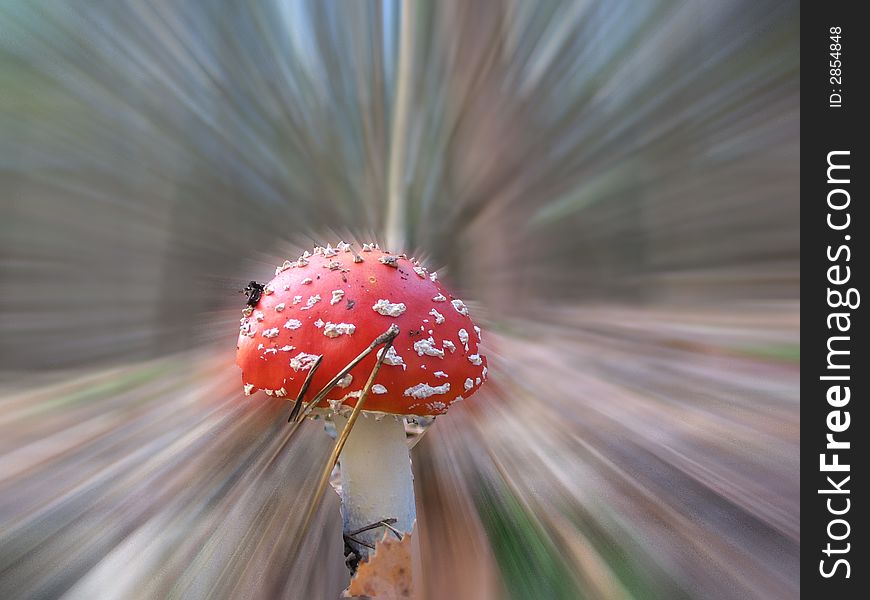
(613, 186)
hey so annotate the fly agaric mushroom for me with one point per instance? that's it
(326, 310)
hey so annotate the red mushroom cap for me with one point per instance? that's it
(334, 303)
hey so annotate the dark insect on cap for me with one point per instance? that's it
(254, 291)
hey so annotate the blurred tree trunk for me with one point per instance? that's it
(485, 159)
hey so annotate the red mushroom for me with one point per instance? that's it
(331, 305)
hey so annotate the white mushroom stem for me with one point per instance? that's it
(376, 478)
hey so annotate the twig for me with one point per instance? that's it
(382, 522)
(388, 335)
(305, 385)
(386, 339)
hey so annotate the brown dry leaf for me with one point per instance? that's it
(389, 572)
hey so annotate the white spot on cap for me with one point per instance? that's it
(287, 265)
(484, 373)
(424, 390)
(297, 299)
(433, 276)
(477, 381)
(428, 348)
(368, 247)
(343, 246)
(463, 337)
(388, 309)
(458, 399)
(475, 360)
(279, 307)
(287, 348)
(319, 323)
(389, 260)
(468, 384)
(460, 307)
(392, 358)
(292, 324)
(345, 381)
(449, 345)
(332, 265)
(305, 281)
(439, 318)
(259, 315)
(334, 330)
(337, 295)
(247, 311)
(440, 374)
(268, 290)
(354, 394)
(303, 361)
(379, 389)
(281, 393)
(249, 387)
(477, 331)
(312, 300)
(270, 351)
(270, 333)
(420, 271)
(437, 406)
(329, 251)
(439, 298)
